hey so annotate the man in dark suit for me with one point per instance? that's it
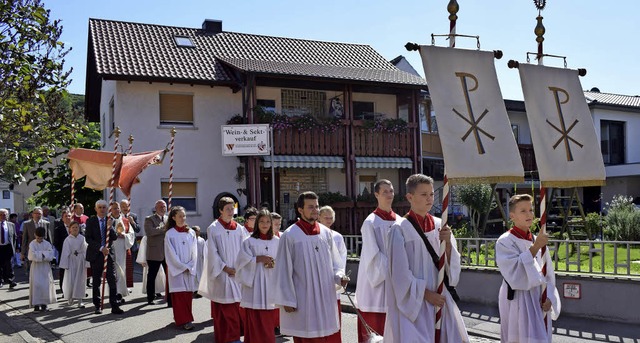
(98, 227)
(154, 230)
(60, 233)
(29, 232)
(7, 248)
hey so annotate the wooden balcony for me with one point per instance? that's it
(393, 144)
(528, 157)
(313, 142)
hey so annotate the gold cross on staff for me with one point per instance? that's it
(563, 130)
(472, 121)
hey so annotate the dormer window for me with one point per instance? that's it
(183, 41)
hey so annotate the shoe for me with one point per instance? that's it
(36, 308)
(276, 331)
(188, 326)
(80, 304)
(122, 301)
(2, 284)
(196, 295)
(97, 311)
(44, 308)
(117, 310)
(70, 302)
(150, 302)
(12, 285)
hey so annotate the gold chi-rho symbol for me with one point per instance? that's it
(563, 130)
(471, 120)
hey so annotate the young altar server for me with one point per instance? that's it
(374, 264)
(41, 285)
(72, 260)
(142, 260)
(413, 275)
(519, 258)
(218, 284)
(307, 272)
(122, 246)
(255, 273)
(181, 254)
(200, 264)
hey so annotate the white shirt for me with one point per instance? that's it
(256, 280)
(181, 254)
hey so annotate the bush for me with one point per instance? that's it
(593, 223)
(329, 198)
(623, 220)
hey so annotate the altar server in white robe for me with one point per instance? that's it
(72, 260)
(201, 244)
(41, 285)
(142, 260)
(308, 269)
(255, 273)
(372, 272)
(519, 258)
(181, 254)
(413, 276)
(218, 284)
(126, 238)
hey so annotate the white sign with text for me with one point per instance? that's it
(245, 140)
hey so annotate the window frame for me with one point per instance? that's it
(177, 193)
(165, 98)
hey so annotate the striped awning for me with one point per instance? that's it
(300, 161)
(383, 162)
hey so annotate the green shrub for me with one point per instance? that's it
(329, 198)
(593, 223)
(623, 220)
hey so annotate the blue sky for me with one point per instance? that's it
(592, 34)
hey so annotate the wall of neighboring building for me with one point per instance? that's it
(294, 181)
(520, 119)
(382, 103)
(198, 151)
(631, 128)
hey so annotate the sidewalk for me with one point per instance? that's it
(483, 321)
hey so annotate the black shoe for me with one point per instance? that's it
(44, 308)
(97, 311)
(188, 326)
(277, 331)
(158, 296)
(12, 285)
(36, 308)
(117, 310)
(150, 302)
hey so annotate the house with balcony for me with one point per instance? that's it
(342, 115)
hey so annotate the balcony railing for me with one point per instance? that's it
(374, 143)
(292, 141)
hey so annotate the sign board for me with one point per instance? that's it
(571, 290)
(245, 140)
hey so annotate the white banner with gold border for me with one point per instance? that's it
(562, 131)
(474, 129)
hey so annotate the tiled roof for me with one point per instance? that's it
(612, 99)
(143, 50)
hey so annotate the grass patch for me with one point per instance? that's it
(484, 256)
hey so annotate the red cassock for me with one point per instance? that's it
(181, 303)
(375, 320)
(227, 322)
(259, 326)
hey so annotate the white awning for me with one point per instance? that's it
(301, 161)
(383, 162)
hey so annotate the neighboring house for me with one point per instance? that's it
(146, 79)
(14, 197)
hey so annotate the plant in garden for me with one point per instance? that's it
(623, 220)
(478, 199)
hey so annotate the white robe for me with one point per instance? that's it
(410, 318)
(374, 264)
(200, 264)
(41, 285)
(521, 319)
(256, 280)
(142, 260)
(181, 254)
(338, 240)
(120, 246)
(307, 272)
(221, 250)
(72, 259)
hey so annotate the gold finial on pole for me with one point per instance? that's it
(539, 31)
(453, 9)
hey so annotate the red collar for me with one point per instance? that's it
(522, 234)
(427, 224)
(181, 228)
(264, 237)
(229, 226)
(308, 228)
(384, 215)
(249, 228)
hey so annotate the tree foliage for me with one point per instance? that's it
(478, 198)
(54, 179)
(33, 100)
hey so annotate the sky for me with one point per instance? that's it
(592, 34)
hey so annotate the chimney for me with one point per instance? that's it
(212, 26)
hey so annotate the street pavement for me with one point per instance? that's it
(153, 323)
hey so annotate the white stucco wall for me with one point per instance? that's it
(520, 119)
(382, 103)
(198, 151)
(632, 128)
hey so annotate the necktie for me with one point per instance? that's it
(102, 232)
(2, 234)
